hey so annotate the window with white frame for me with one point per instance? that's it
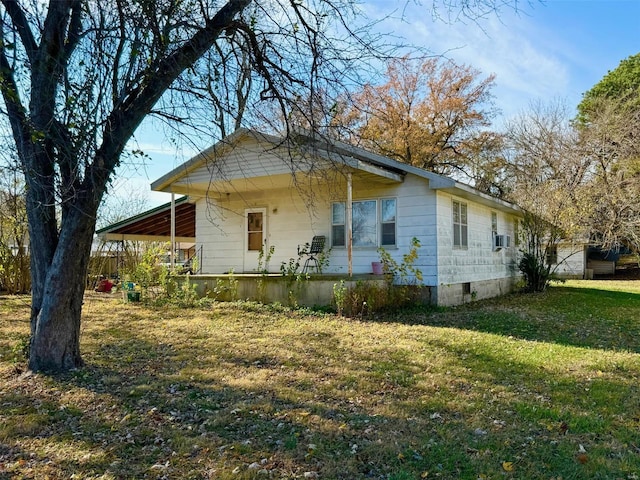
(388, 221)
(338, 225)
(373, 223)
(494, 223)
(460, 226)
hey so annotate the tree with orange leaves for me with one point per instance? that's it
(430, 113)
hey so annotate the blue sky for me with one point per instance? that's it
(553, 50)
(556, 49)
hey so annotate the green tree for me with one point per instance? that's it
(621, 83)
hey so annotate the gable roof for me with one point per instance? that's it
(334, 151)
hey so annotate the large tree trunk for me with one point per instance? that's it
(55, 340)
(57, 296)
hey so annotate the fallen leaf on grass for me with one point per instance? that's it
(508, 466)
(563, 428)
(582, 458)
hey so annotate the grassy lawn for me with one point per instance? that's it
(525, 387)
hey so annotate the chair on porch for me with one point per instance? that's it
(312, 251)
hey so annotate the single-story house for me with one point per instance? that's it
(583, 259)
(258, 197)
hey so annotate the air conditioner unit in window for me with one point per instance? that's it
(501, 241)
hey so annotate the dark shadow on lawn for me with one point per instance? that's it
(154, 425)
(148, 413)
(580, 317)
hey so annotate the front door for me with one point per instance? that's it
(255, 239)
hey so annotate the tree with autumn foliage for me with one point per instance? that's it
(429, 112)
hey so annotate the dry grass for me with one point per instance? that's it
(542, 386)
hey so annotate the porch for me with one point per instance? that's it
(313, 290)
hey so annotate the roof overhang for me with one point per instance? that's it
(174, 181)
(155, 225)
(464, 191)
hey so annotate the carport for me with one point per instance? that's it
(173, 222)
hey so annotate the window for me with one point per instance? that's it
(338, 221)
(388, 221)
(552, 254)
(254, 231)
(370, 227)
(364, 224)
(460, 227)
(494, 223)
(516, 232)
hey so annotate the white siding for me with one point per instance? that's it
(220, 229)
(248, 159)
(415, 218)
(478, 262)
(221, 232)
(571, 260)
(220, 226)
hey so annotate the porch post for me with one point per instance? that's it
(349, 213)
(173, 232)
(119, 245)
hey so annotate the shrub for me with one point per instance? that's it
(537, 275)
(404, 272)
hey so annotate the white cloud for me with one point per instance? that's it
(524, 57)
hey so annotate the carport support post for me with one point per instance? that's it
(173, 231)
(349, 221)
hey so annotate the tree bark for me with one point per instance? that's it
(57, 301)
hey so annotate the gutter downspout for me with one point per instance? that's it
(349, 222)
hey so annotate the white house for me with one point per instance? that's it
(254, 193)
